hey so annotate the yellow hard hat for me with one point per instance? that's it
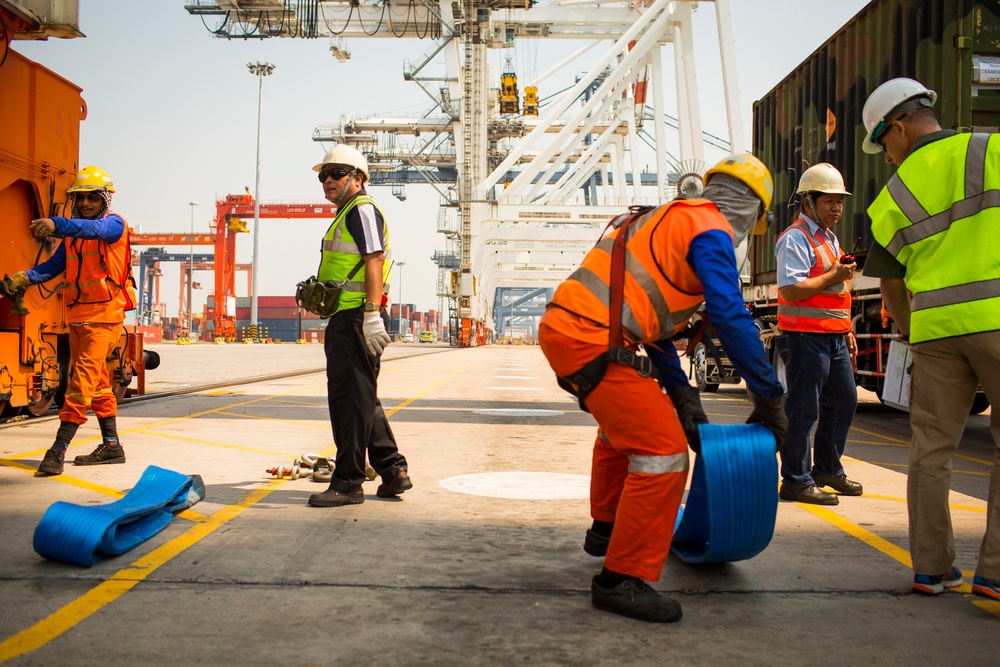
(751, 171)
(823, 178)
(90, 179)
(345, 155)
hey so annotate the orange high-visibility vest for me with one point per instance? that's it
(98, 279)
(827, 311)
(661, 289)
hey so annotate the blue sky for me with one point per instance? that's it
(172, 116)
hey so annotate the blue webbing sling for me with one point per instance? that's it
(733, 500)
(83, 534)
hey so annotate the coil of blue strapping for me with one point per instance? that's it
(733, 499)
(82, 535)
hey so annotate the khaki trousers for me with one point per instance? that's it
(946, 374)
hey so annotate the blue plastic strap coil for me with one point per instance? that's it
(733, 500)
(82, 535)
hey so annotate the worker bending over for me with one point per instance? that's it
(641, 289)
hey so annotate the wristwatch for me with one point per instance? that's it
(370, 307)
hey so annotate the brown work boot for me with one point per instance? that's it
(838, 483)
(395, 486)
(334, 498)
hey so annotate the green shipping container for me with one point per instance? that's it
(814, 114)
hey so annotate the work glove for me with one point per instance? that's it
(13, 287)
(376, 337)
(771, 413)
(687, 403)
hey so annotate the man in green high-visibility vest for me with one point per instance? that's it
(935, 229)
(355, 253)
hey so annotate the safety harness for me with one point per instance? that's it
(585, 380)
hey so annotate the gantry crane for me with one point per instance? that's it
(230, 213)
(549, 177)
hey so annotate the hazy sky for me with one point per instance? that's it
(172, 116)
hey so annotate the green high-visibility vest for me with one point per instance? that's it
(340, 254)
(939, 216)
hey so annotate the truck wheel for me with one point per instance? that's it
(980, 404)
(699, 369)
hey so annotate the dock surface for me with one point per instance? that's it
(481, 563)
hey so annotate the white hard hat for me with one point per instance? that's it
(892, 96)
(346, 155)
(823, 178)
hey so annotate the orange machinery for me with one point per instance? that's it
(229, 213)
(39, 146)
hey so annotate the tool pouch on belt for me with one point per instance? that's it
(321, 297)
(585, 380)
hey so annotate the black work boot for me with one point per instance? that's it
(811, 494)
(395, 486)
(105, 453)
(633, 598)
(334, 498)
(52, 464)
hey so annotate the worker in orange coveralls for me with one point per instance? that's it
(674, 259)
(98, 288)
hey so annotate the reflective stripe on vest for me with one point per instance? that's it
(340, 254)
(938, 216)
(96, 273)
(827, 311)
(653, 307)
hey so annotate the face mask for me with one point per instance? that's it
(735, 202)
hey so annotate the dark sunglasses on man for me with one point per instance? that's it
(337, 173)
(94, 196)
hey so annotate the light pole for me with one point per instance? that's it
(191, 274)
(400, 325)
(260, 70)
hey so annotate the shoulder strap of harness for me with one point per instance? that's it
(585, 380)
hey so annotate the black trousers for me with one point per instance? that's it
(359, 422)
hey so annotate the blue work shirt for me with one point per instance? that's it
(108, 229)
(714, 262)
(795, 254)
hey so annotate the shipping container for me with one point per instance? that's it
(815, 115)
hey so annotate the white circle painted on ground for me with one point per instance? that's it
(521, 485)
(518, 412)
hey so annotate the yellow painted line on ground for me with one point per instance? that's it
(73, 613)
(225, 392)
(963, 508)
(90, 486)
(212, 443)
(325, 423)
(886, 464)
(888, 548)
(906, 443)
(124, 580)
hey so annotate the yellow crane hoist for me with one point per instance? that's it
(531, 100)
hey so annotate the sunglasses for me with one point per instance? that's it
(337, 173)
(94, 196)
(882, 130)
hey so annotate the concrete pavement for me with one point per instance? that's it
(253, 576)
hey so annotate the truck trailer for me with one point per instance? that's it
(814, 115)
